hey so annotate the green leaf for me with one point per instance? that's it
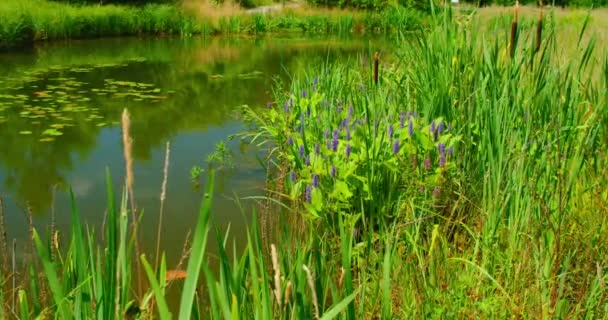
(341, 188)
(163, 309)
(339, 307)
(63, 309)
(198, 253)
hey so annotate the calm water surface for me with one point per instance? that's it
(60, 107)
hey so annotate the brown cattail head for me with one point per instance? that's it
(127, 144)
(376, 62)
(539, 28)
(288, 290)
(512, 44)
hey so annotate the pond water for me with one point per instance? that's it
(60, 107)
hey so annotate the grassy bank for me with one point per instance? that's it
(25, 22)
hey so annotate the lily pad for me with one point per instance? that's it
(25, 132)
(52, 132)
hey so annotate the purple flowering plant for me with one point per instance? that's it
(330, 154)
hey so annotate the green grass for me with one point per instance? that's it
(33, 20)
(25, 22)
(517, 226)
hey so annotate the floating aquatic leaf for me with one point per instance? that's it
(47, 139)
(25, 132)
(52, 132)
(103, 124)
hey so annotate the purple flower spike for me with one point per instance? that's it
(307, 160)
(339, 110)
(304, 93)
(347, 133)
(401, 120)
(391, 131)
(396, 147)
(317, 149)
(315, 180)
(292, 176)
(441, 148)
(335, 141)
(302, 151)
(442, 160)
(308, 194)
(308, 112)
(427, 163)
(441, 128)
(326, 134)
(333, 171)
(451, 151)
(348, 150)
(410, 129)
(290, 141)
(328, 144)
(433, 127)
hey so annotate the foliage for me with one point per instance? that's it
(24, 22)
(349, 147)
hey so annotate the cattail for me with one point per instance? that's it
(514, 30)
(277, 273)
(311, 284)
(376, 60)
(288, 290)
(127, 144)
(539, 27)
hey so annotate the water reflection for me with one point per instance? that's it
(60, 106)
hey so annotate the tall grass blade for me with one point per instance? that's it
(197, 253)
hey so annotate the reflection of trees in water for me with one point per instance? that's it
(199, 100)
